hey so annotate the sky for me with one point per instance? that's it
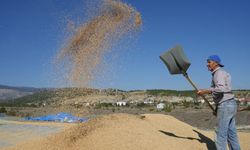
(32, 31)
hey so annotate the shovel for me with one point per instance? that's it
(177, 63)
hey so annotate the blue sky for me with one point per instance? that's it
(32, 31)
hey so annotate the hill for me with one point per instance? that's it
(23, 96)
(11, 92)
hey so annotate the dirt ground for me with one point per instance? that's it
(133, 132)
(204, 119)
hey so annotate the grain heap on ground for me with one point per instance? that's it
(130, 132)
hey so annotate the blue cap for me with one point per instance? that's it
(216, 59)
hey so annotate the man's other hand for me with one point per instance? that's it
(202, 92)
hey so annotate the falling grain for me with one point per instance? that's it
(82, 58)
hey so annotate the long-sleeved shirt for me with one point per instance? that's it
(221, 86)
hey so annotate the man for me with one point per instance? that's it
(226, 106)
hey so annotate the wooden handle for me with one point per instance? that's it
(196, 89)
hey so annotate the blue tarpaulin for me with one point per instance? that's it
(60, 117)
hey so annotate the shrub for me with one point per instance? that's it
(97, 106)
(151, 109)
(142, 105)
(3, 110)
(11, 113)
(186, 104)
(106, 104)
(101, 105)
(168, 107)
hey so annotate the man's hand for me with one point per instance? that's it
(203, 92)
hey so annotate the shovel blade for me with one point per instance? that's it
(175, 60)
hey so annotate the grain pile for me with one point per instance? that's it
(82, 58)
(130, 132)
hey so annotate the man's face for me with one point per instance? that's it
(211, 65)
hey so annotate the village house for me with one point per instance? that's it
(148, 101)
(160, 106)
(121, 103)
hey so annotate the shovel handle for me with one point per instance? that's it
(196, 89)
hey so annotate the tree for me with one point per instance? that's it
(3, 110)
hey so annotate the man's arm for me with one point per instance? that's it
(219, 85)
